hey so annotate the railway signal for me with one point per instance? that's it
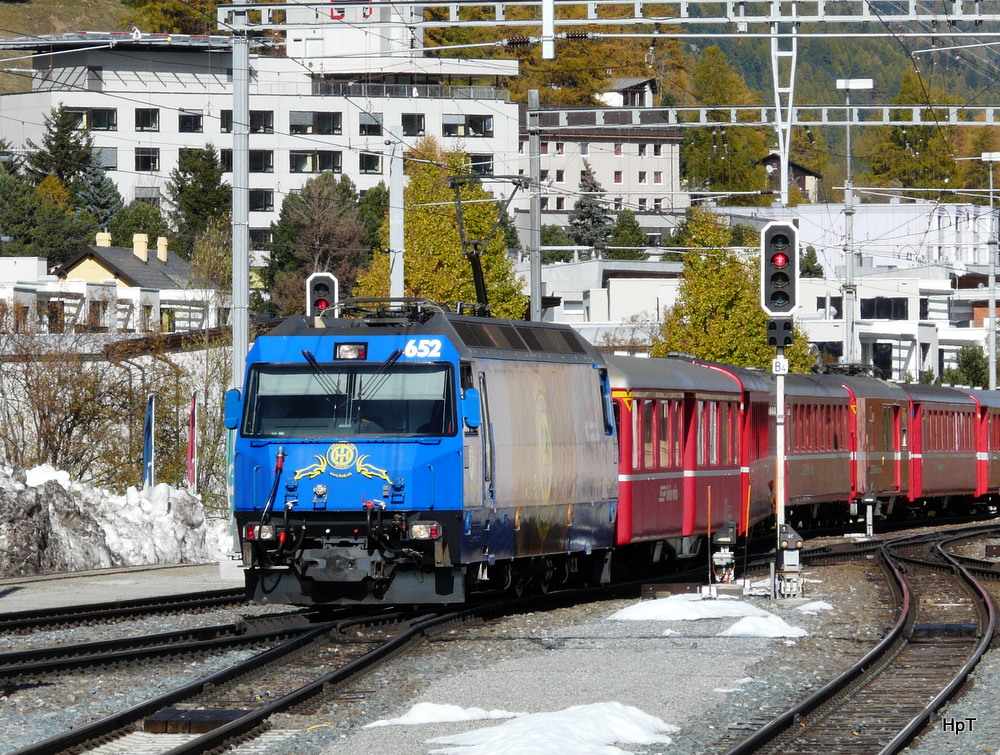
(779, 269)
(322, 291)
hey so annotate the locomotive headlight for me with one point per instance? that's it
(319, 491)
(425, 531)
(265, 532)
(352, 351)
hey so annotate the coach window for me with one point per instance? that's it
(648, 458)
(713, 433)
(636, 432)
(700, 433)
(666, 458)
(726, 436)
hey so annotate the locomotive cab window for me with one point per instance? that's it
(339, 399)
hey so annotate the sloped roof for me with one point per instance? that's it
(121, 261)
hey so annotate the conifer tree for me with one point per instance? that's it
(197, 195)
(64, 151)
(590, 222)
(137, 217)
(627, 233)
(97, 193)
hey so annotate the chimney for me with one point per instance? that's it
(103, 239)
(161, 248)
(140, 245)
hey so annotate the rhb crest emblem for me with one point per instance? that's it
(342, 460)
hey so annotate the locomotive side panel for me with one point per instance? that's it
(548, 449)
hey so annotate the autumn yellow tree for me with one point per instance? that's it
(435, 267)
(718, 314)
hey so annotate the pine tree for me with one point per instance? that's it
(64, 150)
(627, 233)
(97, 193)
(590, 222)
(137, 217)
(197, 195)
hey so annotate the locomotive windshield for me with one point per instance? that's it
(341, 398)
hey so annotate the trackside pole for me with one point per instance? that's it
(788, 569)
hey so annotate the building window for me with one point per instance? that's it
(560, 176)
(543, 175)
(314, 161)
(147, 159)
(147, 119)
(413, 124)
(261, 121)
(560, 203)
(226, 160)
(657, 176)
(584, 148)
(190, 122)
(481, 165)
(520, 148)
(545, 148)
(560, 148)
(55, 313)
(642, 204)
(261, 200)
(885, 308)
(369, 162)
(148, 194)
(618, 176)
(459, 125)
(618, 204)
(370, 124)
(107, 157)
(642, 150)
(308, 122)
(657, 150)
(618, 149)
(226, 121)
(260, 237)
(545, 203)
(261, 161)
(479, 125)
(94, 119)
(658, 204)
(642, 176)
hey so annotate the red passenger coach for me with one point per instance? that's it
(684, 456)
(880, 430)
(942, 442)
(817, 449)
(987, 441)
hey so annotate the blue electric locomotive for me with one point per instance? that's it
(400, 453)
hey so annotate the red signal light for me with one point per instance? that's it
(779, 259)
(321, 304)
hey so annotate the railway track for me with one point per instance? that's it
(193, 641)
(945, 623)
(99, 613)
(228, 706)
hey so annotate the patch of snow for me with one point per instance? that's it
(686, 607)
(763, 626)
(815, 607)
(580, 730)
(434, 713)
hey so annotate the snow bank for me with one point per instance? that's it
(50, 524)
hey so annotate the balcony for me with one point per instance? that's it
(411, 91)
